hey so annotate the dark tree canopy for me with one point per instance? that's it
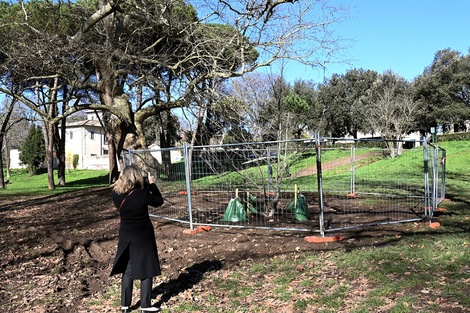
(443, 91)
(33, 151)
(344, 99)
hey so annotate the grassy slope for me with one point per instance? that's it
(422, 269)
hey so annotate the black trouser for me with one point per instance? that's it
(126, 289)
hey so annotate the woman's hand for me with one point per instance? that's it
(151, 179)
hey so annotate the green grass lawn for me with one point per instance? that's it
(21, 183)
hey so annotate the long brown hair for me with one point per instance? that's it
(130, 178)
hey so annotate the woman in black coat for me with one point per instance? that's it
(137, 255)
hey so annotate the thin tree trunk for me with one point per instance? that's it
(3, 130)
(7, 159)
(48, 142)
(50, 156)
(113, 166)
(50, 136)
(60, 133)
(2, 178)
(60, 152)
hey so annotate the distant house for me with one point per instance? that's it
(87, 139)
(176, 155)
(15, 159)
(409, 140)
(84, 138)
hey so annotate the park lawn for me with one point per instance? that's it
(22, 184)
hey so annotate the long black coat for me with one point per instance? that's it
(136, 235)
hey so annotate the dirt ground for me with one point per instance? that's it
(57, 251)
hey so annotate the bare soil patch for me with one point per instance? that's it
(336, 163)
(57, 251)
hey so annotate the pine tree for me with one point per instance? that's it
(34, 150)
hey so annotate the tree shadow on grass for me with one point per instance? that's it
(87, 182)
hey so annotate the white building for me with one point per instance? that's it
(15, 159)
(176, 155)
(87, 139)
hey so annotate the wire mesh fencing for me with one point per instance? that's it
(381, 190)
(434, 169)
(313, 185)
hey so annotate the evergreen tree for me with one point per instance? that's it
(34, 150)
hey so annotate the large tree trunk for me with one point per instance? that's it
(112, 150)
(166, 155)
(124, 133)
(136, 139)
(50, 136)
(116, 132)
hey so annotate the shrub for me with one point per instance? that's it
(454, 137)
(75, 161)
(33, 151)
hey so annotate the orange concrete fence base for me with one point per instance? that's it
(319, 239)
(197, 230)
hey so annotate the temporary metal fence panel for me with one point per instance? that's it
(434, 168)
(250, 185)
(168, 166)
(440, 175)
(201, 185)
(315, 185)
(364, 186)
